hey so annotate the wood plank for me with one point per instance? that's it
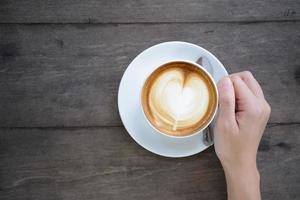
(99, 164)
(115, 11)
(68, 75)
(106, 163)
(279, 161)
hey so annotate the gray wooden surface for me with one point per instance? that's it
(132, 11)
(61, 62)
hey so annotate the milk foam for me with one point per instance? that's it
(178, 99)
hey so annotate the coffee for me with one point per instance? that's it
(179, 98)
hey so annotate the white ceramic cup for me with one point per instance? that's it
(212, 115)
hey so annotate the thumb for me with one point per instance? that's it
(226, 99)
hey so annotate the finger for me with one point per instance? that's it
(243, 94)
(251, 82)
(226, 99)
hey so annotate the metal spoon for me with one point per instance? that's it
(204, 62)
(208, 132)
(208, 137)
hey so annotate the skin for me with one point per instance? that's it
(242, 118)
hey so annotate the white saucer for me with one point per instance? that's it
(129, 97)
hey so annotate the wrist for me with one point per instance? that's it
(242, 182)
(241, 169)
(243, 173)
(242, 164)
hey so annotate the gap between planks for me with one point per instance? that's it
(151, 23)
(109, 126)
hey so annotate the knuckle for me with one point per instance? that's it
(235, 78)
(267, 108)
(260, 110)
(248, 74)
(225, 100)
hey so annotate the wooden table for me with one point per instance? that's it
(61, 62)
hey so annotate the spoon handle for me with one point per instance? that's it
(208, 136)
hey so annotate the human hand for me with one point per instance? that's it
(243, 115)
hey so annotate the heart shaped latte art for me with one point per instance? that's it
(178, 99)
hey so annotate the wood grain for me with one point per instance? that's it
(100, 163)
(130, 11)
(60, 66)
(105, 163)
(68, 75)
(279, 161)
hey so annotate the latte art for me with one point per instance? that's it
(178, 98)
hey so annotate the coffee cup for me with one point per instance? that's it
(179, 99)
